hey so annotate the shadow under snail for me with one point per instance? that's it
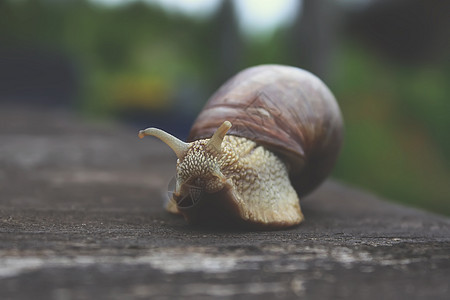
(268, 136)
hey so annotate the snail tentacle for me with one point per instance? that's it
(179, 147)
(216, 140)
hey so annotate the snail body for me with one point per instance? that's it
(269, 135)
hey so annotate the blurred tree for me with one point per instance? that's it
(407, 31)
(312, 39)
(226, 42)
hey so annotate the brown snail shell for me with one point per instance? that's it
(269, 135)
(286, 109)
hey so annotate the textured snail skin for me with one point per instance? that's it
(283, 140)
(244, 183)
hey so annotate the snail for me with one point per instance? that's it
(267, 137)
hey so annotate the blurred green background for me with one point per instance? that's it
(154, 63)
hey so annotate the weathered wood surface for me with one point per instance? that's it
(81, 218)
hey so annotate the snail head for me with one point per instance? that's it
(198, 164)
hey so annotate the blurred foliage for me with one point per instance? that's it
(132, 45)
(137, 56)
(397, 125)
